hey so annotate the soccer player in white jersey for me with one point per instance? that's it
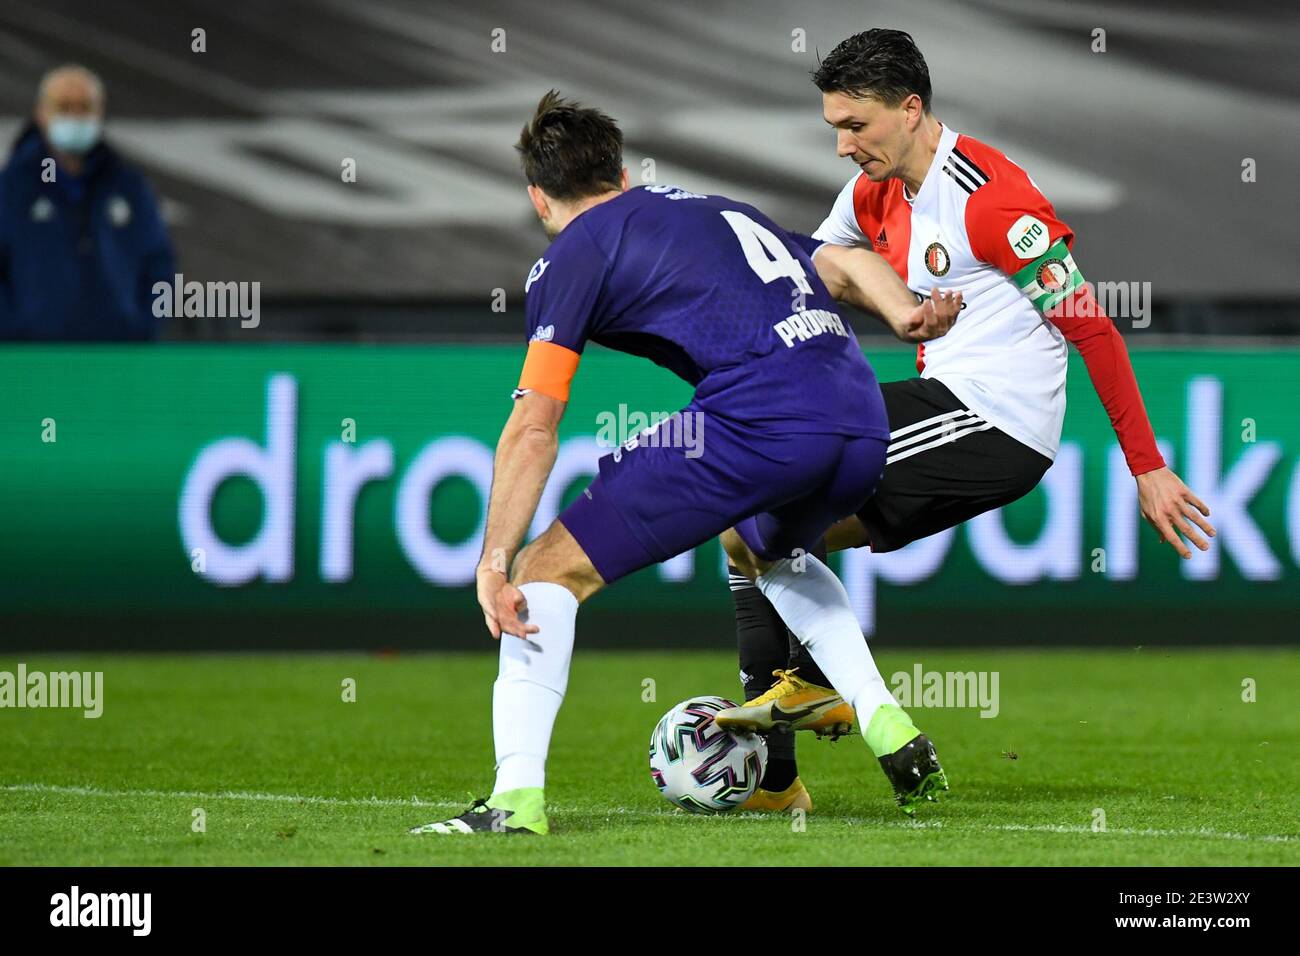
(981, 425)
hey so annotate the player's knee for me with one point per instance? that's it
(847, 533)
(547, 559)
(526, 565)
(537, 562)
(742, 558)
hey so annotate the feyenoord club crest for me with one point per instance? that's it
(1052, 275)
(936, 259)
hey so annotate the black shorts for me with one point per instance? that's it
(945, 465)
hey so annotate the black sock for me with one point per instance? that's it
(781, 767)
(761, 638)
(808, 669)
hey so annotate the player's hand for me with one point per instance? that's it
(1171, 508)
(932, 318)
(512, 607)
(503, 605)
(501, 602)
(489, 583)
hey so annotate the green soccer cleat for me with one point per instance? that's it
(907, 756)
(515, 811)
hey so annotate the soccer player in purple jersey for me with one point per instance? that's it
(788, 435)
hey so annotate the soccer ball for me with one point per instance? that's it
(698, 765)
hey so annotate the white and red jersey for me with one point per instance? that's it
(980, 224)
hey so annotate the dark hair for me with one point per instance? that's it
(883, 64)
(570, 151)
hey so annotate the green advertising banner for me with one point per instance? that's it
(153, 495)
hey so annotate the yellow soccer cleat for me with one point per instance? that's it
(794, 703)
(793, 797)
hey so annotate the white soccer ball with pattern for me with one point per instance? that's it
(698, 765)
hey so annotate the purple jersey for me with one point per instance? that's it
(716, 292)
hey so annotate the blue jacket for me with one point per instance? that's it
(78, 256)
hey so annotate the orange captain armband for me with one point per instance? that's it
(549, 369)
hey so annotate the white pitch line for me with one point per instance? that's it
(1205, 832)
(227, 795)
(1202, 832)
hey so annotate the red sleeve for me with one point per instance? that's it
(1081, 320)
(1013, 227)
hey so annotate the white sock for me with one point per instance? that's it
(530, 686)
(815, 606)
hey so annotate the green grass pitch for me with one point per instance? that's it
(287, 773)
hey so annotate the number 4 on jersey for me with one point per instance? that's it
(765, 253)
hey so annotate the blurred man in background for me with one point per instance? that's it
(81, 238)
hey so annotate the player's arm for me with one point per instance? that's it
(1017, 231)
(561, 299)
(525, 456)
(1166, 503)
(863, 279)
(854, 274)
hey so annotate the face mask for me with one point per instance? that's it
(74, 135)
